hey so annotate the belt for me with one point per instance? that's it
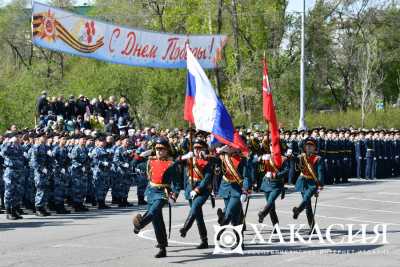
(194, 179)
(230, 181)
(370, 149)
(159, 185)
(307, 176)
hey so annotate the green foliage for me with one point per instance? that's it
(333, 49)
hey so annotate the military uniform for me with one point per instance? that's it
(124, 171)
(163, 186)
(197, 186)
(235, 184)
(79, 161)
(14, 168)
(312, 175)
(272, 186)
(101, 172)
(61, 161)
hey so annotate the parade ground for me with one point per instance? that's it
(105, 238)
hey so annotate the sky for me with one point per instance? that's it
(293, 6)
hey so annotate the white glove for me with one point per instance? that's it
(146, 153)
(289, 152)
(83, 169)
(125, 165)
(269, 174)
(49, 153)
(171, 201)
(25, 154)
(189, 155)
(193, 194)
(44, 170)
(266, 157)
(105, 163)
(63, 170)
(243, 198)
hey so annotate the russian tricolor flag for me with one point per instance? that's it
(205, 110)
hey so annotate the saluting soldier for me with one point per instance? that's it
(310, 181)
(162, 173)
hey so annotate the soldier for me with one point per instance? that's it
(396, 154)
(272, 185)
(197, 185)
(123, 167)
(12, 154)
(61, 161)
(310, 181)
(79, 161)
(140, 174)
(370, 163)
(234, 187)
(359, 150)
(101, 172)
(41, 169)
(164, 186)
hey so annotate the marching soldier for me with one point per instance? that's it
(163, 187)
(310, 181)
(272, 185)
(197, 189)
(234, 187)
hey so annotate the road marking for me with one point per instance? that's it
(374, 200)
(389, 193)
(352, 208)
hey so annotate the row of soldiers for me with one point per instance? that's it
(41, 171)
(349, 153)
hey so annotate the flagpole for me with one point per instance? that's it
(191, 159)
(302, 125)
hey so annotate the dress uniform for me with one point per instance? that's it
(162, 173)
(235, 186)
(197, 186)
(311, 177)
(272, 185)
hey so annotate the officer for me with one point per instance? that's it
(359, 150)
(79, 161)
(41, 168)
(101, 172)
(273, 184)
(164, 186)
(61, 161)
(140, 173)
(197, 186)
(310, 181)
(1, 176)
(122, 162)
(12, 154)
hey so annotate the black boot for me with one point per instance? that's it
(127, 204)
(42, 212)
(141, 201)
(51, 206)
(203, 236)
(296, 212)
(102, 205)
(310, 220)
(19, 212)
(114, 200)
(60, 209)
(122, 203)
(221, 216)
(188, 223)
(161, 253)
(274, 219)
(264, 212)
(83, 207)
(11, 214)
